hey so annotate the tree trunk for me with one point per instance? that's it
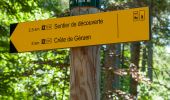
(135, 54)
(122, 55)
(109, 62)
(150, 59)
(150, 48)
(117, 66)
(112, 63)
(85, 71)
(144, 59)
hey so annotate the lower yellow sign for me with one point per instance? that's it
(84, 30)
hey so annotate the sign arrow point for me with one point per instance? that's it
(12, 29)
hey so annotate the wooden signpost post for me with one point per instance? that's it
(85, 66)
(83, 30)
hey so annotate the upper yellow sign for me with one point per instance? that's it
(84, 30)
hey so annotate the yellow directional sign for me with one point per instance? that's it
(84, 30)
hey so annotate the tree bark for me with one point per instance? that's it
(150, 47)
(135, 54)
(109, 63)
(150, 60)
(85, 70)
(112, 63)
(117, 66)
(144, 59)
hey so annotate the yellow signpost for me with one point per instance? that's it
(84, 30)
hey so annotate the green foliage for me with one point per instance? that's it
(31, 76)
(159, 89)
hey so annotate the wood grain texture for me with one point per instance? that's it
(84, 73)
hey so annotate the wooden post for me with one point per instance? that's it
(85, 71)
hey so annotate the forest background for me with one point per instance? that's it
(140, 69)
